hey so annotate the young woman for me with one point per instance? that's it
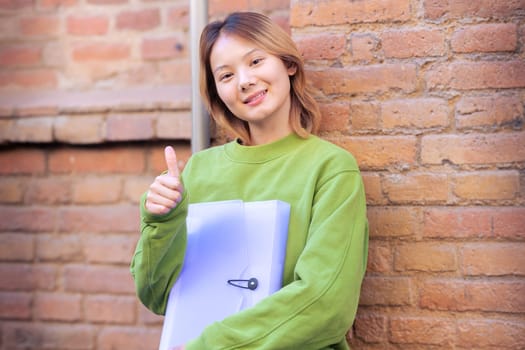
(253, 82)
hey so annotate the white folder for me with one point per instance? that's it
(233, 246)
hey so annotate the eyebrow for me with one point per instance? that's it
(244, 56)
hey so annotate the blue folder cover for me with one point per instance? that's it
(227, 241)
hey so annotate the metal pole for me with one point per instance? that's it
(200, 131)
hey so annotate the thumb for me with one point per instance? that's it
(171, 161)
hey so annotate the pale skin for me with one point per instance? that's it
(255, 86)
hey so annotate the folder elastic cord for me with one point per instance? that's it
(251, 284)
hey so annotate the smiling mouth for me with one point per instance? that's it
(255, 98)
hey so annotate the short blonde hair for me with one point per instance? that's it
(259, 29)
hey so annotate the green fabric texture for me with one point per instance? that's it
(326, 249)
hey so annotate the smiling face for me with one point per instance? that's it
(254, 85)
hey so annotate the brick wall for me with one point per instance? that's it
(427, 94)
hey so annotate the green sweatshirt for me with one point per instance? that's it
(326, 249)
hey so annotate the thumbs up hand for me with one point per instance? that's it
(166, 191)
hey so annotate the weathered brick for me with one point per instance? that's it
(365, 79)
(130, 338)
(27, 277)
(335, 117)
(123, 127)
(179, 16)
(12, 56)
(100, 52)
(457, 222)
(425, 256)
(78, 129)
(28, 79)
(98, 279)
(110, 309)
(422, 330)
(489, 111)
(491, 333)
(387, 291)
(416, 187)
(55, 306)
(365, 116)
(493, 259)
(419, 113)
(164, 48)
(486, 185)
(364, 46)
(322, 13)
(16, 247)
(97, 190)
(99, 219)
(413, 43)
(445, 9)
(143, 19)
(12, 190)
(51, 191)
(87, 25)
(59, 248)
(393, 221)
(484, 295)
(380, 152)
(110, 249)
(40, 26)
(176, 71)
(27, 219)
(323, 46)
(15, 305)
(371, 328)
(135, 187)
(32, 130)
(373, 189)
(173, 126)
(46, 4)
(485, 38)
(50, 336)
(463, 75)
(380, 257)
(473, 148)
(120, 160)
(509, 222)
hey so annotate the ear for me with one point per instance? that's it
(292, 69)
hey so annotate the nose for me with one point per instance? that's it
(246, 79)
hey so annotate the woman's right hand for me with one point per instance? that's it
(166, 191)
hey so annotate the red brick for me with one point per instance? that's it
(100, 52)
(33, 78)
(365, 79)
(465, 8)
(27, 219)
(365, 116)
(457, 222)
(26, 277)
(269, 5)
(110, 309)
(129, 338)
(91, 160)
(336, 117)
(78, 129)
(135, 187)
(423, 330)
(489, 111)
(509, 222)
(59, 248)
(173, 126)
(52, 336)
(460, 295)
(107, 2)
(110, 249)
(15, 4)
(416, 187)
(46, 4)
(373, 189)
(393, 221)
(371, 328)
(87, 25)
(425, 256)
(364, 46)
(164, 48)
(144, 19)
(97, 190)
(386, 291)
(473, 148)
(493, 259)
(179, 16)
(32, 130)
(122, 127)
(419, 113)
(40, 26)
(98, 279)
(13, 56)
(16, 247)
(380, 152)
(491, 333)
(485, 38)
(323, 46)
(49, 191)
(15, 305)
(322, 13)
(380, 257)
(147, 317)
(476, 75)
(175, 71)
(99, 219)
(57, 306)
(487, 185)
(12, 190)
(413, 43)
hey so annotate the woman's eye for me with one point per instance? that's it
(225, 76)
(256, 61)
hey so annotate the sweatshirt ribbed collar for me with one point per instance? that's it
(262, 153)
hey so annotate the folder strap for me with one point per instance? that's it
(251, 284)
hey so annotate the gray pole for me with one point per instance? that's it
(200, 131)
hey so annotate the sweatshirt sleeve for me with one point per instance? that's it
(319, 306)
(159, 255)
